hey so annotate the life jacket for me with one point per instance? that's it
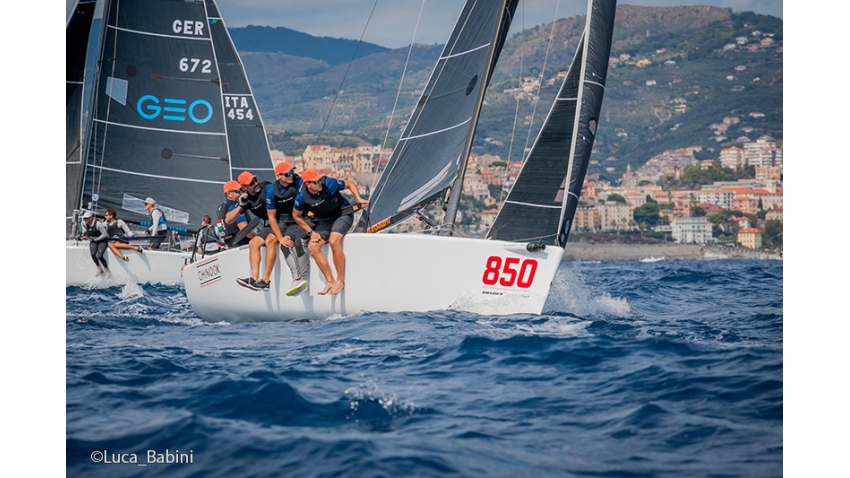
(323, 205)
(113, 229)
(91, 231)
(161, 225)
(285, 199)
(229, 229)
(257, 205)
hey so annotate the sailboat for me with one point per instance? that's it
(159, 106)
(512, 271)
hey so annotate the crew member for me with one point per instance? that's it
(208, 240)
(118, 234)
(95, 232)
(253, 198)
(158, 226)
(333, 218)
(232, 191)
(285, 231)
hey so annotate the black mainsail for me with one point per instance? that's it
(543, 201)
(171, 119)
(77, 32)
(431, 152)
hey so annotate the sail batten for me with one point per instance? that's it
(173, 114)
(553, 173)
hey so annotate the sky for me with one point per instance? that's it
(393, 22)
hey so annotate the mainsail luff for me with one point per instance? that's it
(499, 35)
(430, 151)
(77, 33)
(542, 202)
(159, 99)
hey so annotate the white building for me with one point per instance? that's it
(692, 230)
(732, 157)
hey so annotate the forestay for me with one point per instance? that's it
(538, 208)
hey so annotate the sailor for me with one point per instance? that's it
(95, 232)
(118, 233)
(158, 226)
(208, 242)
(253, 199)
(285, 231)
(232, 191)
(333, 218)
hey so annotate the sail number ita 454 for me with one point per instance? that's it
(509, 272)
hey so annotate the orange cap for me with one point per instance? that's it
(232, 186)
(311, 175)
(282, 168)
(245, 178)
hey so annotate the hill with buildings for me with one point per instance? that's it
(677, 78)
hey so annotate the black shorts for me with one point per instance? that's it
(341, 225)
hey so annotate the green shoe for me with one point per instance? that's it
(298, 286)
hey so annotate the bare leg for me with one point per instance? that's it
(254, 255)
(271, 256)
(339, 262)
(114, 248)
(322, 261)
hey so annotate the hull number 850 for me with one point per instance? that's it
(509, 271)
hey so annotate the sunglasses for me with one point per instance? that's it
(253, 182)
(287, 175)
(314, 182)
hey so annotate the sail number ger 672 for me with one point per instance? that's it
(509, 271)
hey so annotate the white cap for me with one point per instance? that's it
(87, 214)
(150, 201)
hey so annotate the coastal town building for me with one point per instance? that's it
(691, 230)
(750, 238)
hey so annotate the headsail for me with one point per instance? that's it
(429, 155)
(77, 33)
(246, 134)
(160, 127)
(542, 202)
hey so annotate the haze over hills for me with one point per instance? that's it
(687, 69)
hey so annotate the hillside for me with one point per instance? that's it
(290, 42)
(677, 56)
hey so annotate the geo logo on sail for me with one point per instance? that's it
(175, 109)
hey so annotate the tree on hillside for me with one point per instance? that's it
(647, 214)
(773, 233)
(616, 198)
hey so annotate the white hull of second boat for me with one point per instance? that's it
(384, 273)
(152, 267)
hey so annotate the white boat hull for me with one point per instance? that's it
(152, 267)
(384, 273)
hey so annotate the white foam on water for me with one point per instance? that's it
(131, 291)
(498, 304)
(570, 294)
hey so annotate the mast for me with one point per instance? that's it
(457, 186)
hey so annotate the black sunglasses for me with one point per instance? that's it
(314, 182)
(287, 175)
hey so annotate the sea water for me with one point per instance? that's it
(665, 369)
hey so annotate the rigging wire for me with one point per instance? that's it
(516, 111)
(318, 140)
(398, 93)
(542, 73)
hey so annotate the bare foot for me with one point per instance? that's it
(327, 288)
(337, 287)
